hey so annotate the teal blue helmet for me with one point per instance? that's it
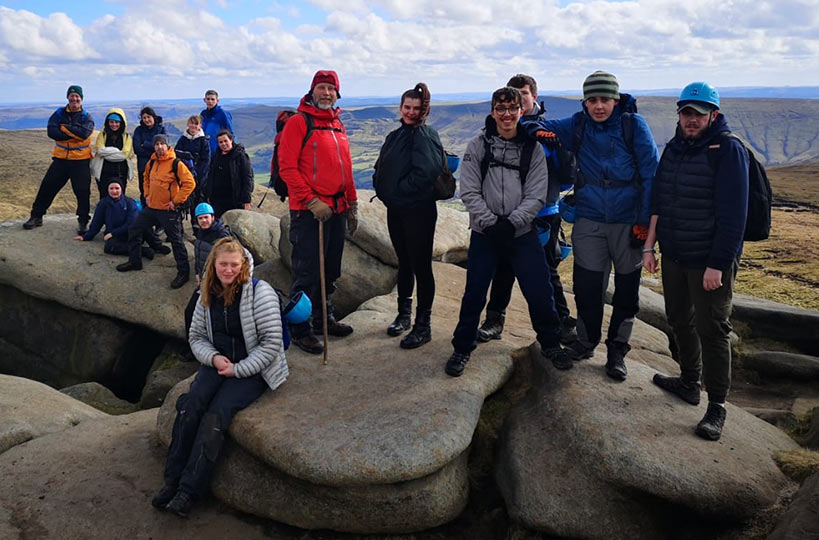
(202, 209)
(700, 96)
(298, 309)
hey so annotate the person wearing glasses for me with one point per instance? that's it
(616, 159)
(504, 182)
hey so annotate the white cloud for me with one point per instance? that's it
(29, 35)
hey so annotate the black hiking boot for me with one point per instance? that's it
(685, 390)
(180, 504)
(710, 427)
(578, 351)
(559, 357)
(147, 253)
(568, 330)
(303, 336)
(492, 327)
(128, 266)
(164, 496)
(179, 280)
(402, 322)
(82, 227)
(334, 328)
(162, 249)
(32, 222)
(421, 331)
(616, 360)
(456, 364)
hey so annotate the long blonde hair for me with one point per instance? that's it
(211, 284)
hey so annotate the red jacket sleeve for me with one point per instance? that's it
(290, 149)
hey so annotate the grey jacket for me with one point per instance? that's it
(501, 193)
(261, 329)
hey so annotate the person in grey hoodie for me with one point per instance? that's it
(504, 182)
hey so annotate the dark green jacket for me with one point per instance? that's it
(408, 164)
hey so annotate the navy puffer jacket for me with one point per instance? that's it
(144, 141)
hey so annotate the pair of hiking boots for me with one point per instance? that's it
(304, 334)
(37, 221)
(492, 327)
(710, 427)
(172, 500)
(616, 352)
(421, 331)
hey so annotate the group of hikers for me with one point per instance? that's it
(624, 197)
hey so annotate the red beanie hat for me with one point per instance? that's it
(325, 76)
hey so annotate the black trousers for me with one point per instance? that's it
(141, 229)
(501, 292)
(57, 175)
(305, 257)
(116, 246)
(412, 231)
(220, 206)
(203, 415)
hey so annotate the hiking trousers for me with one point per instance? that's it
(142, 229)
(598, 246)
(412, 231)
(203, 416)
(700, 322)
(58, 174)
(525, 254)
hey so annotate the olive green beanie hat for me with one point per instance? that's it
(601, 84)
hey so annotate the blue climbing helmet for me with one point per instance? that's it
(202, 209)
(566, 206)
(298, 309)
(699, 92)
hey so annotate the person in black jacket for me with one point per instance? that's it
(150, 124)
(230, 180)
(698, 210)
(408, 164)
(194, 141)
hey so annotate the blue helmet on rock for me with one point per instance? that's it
(698, 93)
(202, 209)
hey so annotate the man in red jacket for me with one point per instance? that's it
(318, 172)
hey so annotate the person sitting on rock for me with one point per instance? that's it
(502, 207)
(236, 335)
(408, 164)
(114, 149)
(117, 213)
(150, 125)
(230, 180)
(700, 189)
(168, 184)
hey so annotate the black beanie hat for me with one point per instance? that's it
(74, 88)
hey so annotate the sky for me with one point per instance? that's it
(174, 49)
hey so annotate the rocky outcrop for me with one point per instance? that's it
(801, 520)
(46, 263)
(96, 395)
(362, 275)
(175, 363)
(585, 457)
(771, 320)
(796, 367)
(451, 232)
(29, 409)
(258, 232)
(96, 481)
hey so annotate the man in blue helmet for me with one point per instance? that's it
(616, 160)
(698, 212)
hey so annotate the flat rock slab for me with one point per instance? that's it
(29, 409)
(783, 365)
(96, 480)
(585, 457)
(46, 263)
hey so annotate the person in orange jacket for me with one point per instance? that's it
(71, 128)
(318, 172)
(168, 183)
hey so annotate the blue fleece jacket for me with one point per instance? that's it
(213, 121)
(117, 216)
(605, 156)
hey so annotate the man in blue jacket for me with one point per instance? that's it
(616, 160)
(214, 120)
(699, 207)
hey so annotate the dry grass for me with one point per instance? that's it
(797, 464)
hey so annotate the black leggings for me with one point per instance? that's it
(412, 230)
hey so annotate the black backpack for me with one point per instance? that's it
(185, 207)
(760, 194)
(276, 182)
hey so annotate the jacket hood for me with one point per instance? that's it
(306, 105)
(121, 113)
(196, 135)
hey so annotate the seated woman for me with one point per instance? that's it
(236, 335)
(113, 152)
(116, 212)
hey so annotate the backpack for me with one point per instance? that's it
(285, 330)
(525, 160)
(186, 207)
(760, 194)
(276, 181)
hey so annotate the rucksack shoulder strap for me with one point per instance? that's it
(578, 127)
(487, 158)
(526, 159)
(627, 123)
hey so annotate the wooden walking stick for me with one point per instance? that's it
(323, 288)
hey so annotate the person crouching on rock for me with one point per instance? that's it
(116, 212)
(408, 164)
(168, 184)
(502, 201)
(236, 335)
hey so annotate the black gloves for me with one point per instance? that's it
(501, 233)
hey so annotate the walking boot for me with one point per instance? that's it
(578, 351)
(180, 504)
(179, 280)
(32, 222)
(128, 266)
(492, 327)
(82, 227)
(163, 250)
(303, 336)
(710, 427)
(568, 330)
(559, 357)
(456, 364)
(164, 496)
(334, 328)
(147, 252)
(686, 390)
(421, 331)
(402, 322)
(616, 359)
